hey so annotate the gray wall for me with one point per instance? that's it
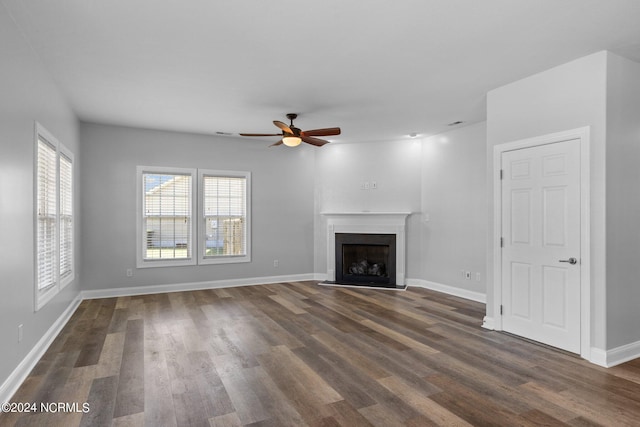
(623, 201)
(454, 198)
(442, 176)
(27, 94)
(566, 97)
(290, 190)
(282, 203)
(341, 169)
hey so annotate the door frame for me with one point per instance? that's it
(583, 135)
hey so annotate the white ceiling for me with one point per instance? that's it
(380, 69)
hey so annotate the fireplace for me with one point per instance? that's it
(382, 229)
(363, 258)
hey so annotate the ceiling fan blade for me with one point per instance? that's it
(260, 134)
(322, 132)
(276, 144)
(313, 141)
(282, 126)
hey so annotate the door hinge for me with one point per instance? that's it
(501, 309)
(501, 173)
(502, 242)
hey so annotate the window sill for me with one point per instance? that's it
(224, 260)
(165, 263)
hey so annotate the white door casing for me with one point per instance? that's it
(553, 273)
(541, 243)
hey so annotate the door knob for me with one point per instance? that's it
(571, 260)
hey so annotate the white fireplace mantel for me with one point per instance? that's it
(367, 223)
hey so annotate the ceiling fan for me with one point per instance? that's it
(293, 136)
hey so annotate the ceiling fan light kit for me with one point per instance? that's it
(291, 141)
(293, 136)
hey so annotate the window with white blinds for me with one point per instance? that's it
(224, 221)
(168, 230)
(53, 216)
(47, 202)
(66, 217)
(166, 227)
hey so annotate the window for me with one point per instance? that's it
(54, 216)
(168, 232)
(165, 225)
(66, 217)
(47, 214)
(224, 217)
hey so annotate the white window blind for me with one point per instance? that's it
(53, 211)
(225, 216)
(66, 216)
(46, 200)
(167, 216)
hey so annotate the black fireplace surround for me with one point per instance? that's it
(366, 259)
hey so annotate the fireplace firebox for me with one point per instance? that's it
(366, 259)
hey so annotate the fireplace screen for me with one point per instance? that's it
(365, 258)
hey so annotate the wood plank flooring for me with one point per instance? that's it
(295, 354)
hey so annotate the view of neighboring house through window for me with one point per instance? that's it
(54, 216)
(224, 226)
(167, 207)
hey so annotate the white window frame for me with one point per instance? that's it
(44, 295)
(223, 259)
(141, 262)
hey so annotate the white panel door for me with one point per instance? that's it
(541, 243)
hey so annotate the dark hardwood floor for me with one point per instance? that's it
(301, 354)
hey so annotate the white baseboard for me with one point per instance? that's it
(20, 373)
(623, 354)
(616, 356)
(451, 290)
(489, 323)
(193, 286)
(598, 357)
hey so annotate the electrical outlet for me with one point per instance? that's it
(467, 275)
(366, 185)
(276, 263)
(374, 185)
(477, 277)
(129, 272)
(20, 327)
